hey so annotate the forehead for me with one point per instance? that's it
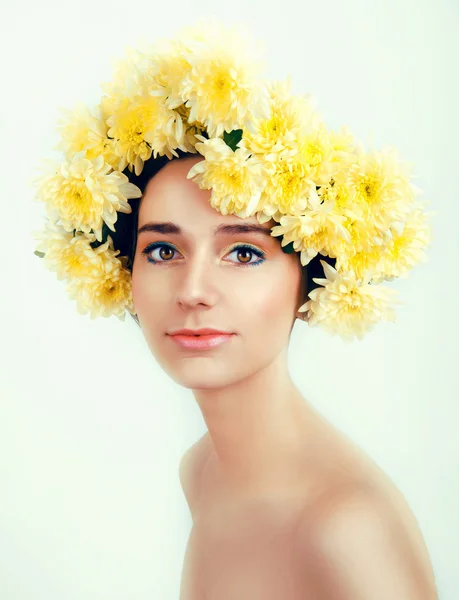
(170, 196)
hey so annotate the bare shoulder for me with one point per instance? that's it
(191, 467)
(363, 541)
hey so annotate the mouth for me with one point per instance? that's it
(199, 332)
(201, 341)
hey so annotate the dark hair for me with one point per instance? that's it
(125, 237)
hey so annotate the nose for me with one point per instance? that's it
(196, 283)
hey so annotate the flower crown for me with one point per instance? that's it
(266, 152)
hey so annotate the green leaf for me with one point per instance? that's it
(39, 254)
(233, 138)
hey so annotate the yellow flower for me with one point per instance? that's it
(69, 256)
(319, 154)
(362, 250)
(317, 231)
(108, 106)
(128, 126)
(81, 130)
(170, 134)
(289, 185)
(171, 67)
(143, 126)
(236, 180)
(107, 290)
(83, 194)
(133, 75)
(288, 118)
(221, 84)
(295, 173)
(382, 187)
(363, 232)
(406, 248)
(341, 195)
(344, 145)
(346, 306)
(360, 262)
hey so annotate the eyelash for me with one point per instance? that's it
(252, 249)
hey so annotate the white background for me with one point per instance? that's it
(91, 429)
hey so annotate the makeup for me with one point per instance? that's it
(201, 342)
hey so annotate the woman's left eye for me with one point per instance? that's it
(252, 251)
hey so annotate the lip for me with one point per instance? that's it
(202, 331)
(203, 342)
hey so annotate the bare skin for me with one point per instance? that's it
(247, 546)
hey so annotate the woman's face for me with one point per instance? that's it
(207, 279)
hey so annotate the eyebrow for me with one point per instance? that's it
(168, 227)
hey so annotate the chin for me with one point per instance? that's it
(199, 374)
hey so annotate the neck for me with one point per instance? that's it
(256, 426)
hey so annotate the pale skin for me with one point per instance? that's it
(283, 504)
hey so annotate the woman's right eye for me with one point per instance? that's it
(165, 253)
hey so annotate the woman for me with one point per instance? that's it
(283, 504)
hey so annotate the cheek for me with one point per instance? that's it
(270, 299)
(145, 295)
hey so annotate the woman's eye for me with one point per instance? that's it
(165, 253)
(246, 253)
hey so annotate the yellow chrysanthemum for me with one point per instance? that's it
(319, 153)
(68, 255)
(129, 125)
(289, 185)
(81, 130)
(158, 68)
(236, 180)
(284, 120)
(170, 60)
(344, 145)
(361, 249)
(406, 247)
(318, 231)
(83, 194)
(295, 174)
(222, 82)
(107, 290)
(108, 106)
(360, 262)
(133, 75)
(364, 235)
(347, 306)
(143, 126)
(341, 196)
(171, 67)
(382, 187)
